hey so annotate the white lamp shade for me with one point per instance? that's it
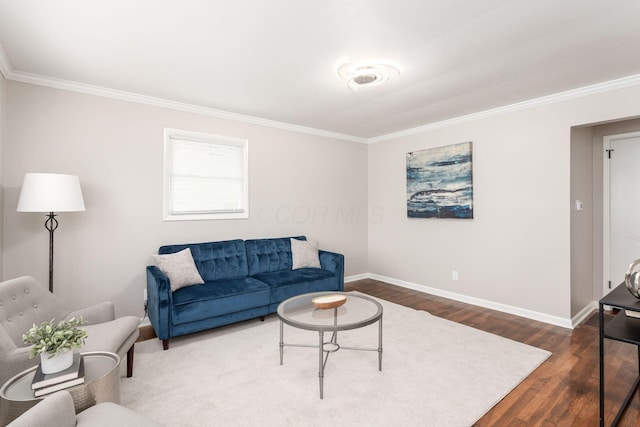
(50, 192)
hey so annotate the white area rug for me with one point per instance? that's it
(434, 373)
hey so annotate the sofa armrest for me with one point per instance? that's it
(159, 300)
(333, 262)
(99, 313)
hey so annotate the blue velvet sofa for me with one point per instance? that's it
(243, 279)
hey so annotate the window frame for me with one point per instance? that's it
(177, 134)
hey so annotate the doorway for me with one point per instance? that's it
(621, 202)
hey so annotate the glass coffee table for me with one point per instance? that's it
(358, 311)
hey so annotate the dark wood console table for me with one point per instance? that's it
(622, 328)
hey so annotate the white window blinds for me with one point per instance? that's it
(205, 176)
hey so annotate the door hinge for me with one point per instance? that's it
(609, 152)
(609, 284)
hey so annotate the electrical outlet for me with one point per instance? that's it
(454, 275)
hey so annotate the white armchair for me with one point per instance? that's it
(57, 411)
(24, 301)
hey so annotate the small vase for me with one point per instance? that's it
(57, 363)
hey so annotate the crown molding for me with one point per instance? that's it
(544, 100)
(10, 74)
(164, 103)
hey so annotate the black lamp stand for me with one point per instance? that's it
(51, 224)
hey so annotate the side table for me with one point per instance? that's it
(102, 384)
(622, 328)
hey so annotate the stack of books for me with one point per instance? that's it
(631, 313)
(43, 384)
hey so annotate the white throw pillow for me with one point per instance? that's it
(180, 268)
(304, 254)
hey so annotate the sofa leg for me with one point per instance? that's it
(165, 344)
(262, 318)
(130, 362)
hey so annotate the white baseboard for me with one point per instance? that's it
(356, 277)
(518, 311)
(584, 314)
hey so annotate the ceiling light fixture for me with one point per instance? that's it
(366, 75)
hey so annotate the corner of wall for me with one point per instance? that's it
(2, 138)
(581, 191)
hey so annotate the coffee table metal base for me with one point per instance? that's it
(323, 354)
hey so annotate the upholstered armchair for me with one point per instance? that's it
(57, 411)
(24, 301)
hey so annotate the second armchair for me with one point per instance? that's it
(24, 301)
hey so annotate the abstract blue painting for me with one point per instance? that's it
(439, 182)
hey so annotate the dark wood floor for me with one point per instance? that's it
(563, 391)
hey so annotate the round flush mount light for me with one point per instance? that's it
(366, 75)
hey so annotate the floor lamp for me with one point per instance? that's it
(50, 192)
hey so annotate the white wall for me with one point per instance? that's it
(516, 251)
(2, 127)
(582, 250)
(299, 184)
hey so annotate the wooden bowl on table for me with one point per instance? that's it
(329, 301)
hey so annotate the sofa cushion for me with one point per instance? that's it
(217, 298)
(269, 255)
(179, 268)
(304, 254)
(286, 284)
(216, 260)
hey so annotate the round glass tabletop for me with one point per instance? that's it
(356, 312)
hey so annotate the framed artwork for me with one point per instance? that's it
(439, 182)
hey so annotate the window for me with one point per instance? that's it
(205, 176)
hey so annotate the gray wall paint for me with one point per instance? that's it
(517, 250)
(2, 132)
(350, 197)
(299, 184)
(582, 221)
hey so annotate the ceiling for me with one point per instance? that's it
(277, 60)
